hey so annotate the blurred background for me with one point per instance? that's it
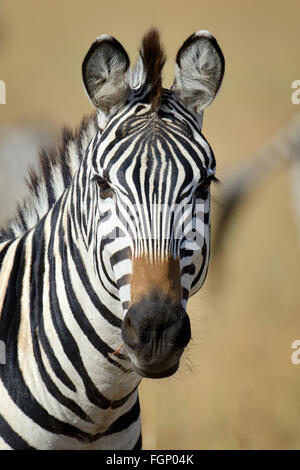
(237, 387)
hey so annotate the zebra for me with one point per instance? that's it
(99, 261)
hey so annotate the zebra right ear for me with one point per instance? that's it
(199, 71)
(103, 72)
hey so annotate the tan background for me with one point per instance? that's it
(237, 387)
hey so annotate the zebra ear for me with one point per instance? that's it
(103, 72)
(199, 71)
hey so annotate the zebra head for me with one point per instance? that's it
(149, 170)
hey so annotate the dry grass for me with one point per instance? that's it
(237, 387)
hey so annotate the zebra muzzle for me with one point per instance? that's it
(156, 330)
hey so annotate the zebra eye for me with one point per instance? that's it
(202, 190)
(105, 189)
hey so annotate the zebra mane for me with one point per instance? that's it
(57, 166)
(153, 58)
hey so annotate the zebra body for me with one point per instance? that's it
(95, 273)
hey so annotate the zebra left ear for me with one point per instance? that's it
(103, 72)
(199, 71)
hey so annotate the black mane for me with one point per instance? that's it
(154, 59)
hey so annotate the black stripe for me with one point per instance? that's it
(75, 208)
(138, 444)
(184, 253)
(4, 251)
(105, 313)
(206, 218)
(121, 255)
(109, 128)
(54, 364)
(184, 112)
(138, 149)
(11, 374)
(185, 293)
(124, 280)
(121, 401)
(121, 423)
(77, 311)
(189, 269)
(124, 421)
(105, 273)
(11, 438)
(67, 341)
(52, 388)
(204, 253)
(36, 307)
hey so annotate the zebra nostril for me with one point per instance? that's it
(128, 332)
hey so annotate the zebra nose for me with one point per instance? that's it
(156, 332)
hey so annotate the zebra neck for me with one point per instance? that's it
(50, 296)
